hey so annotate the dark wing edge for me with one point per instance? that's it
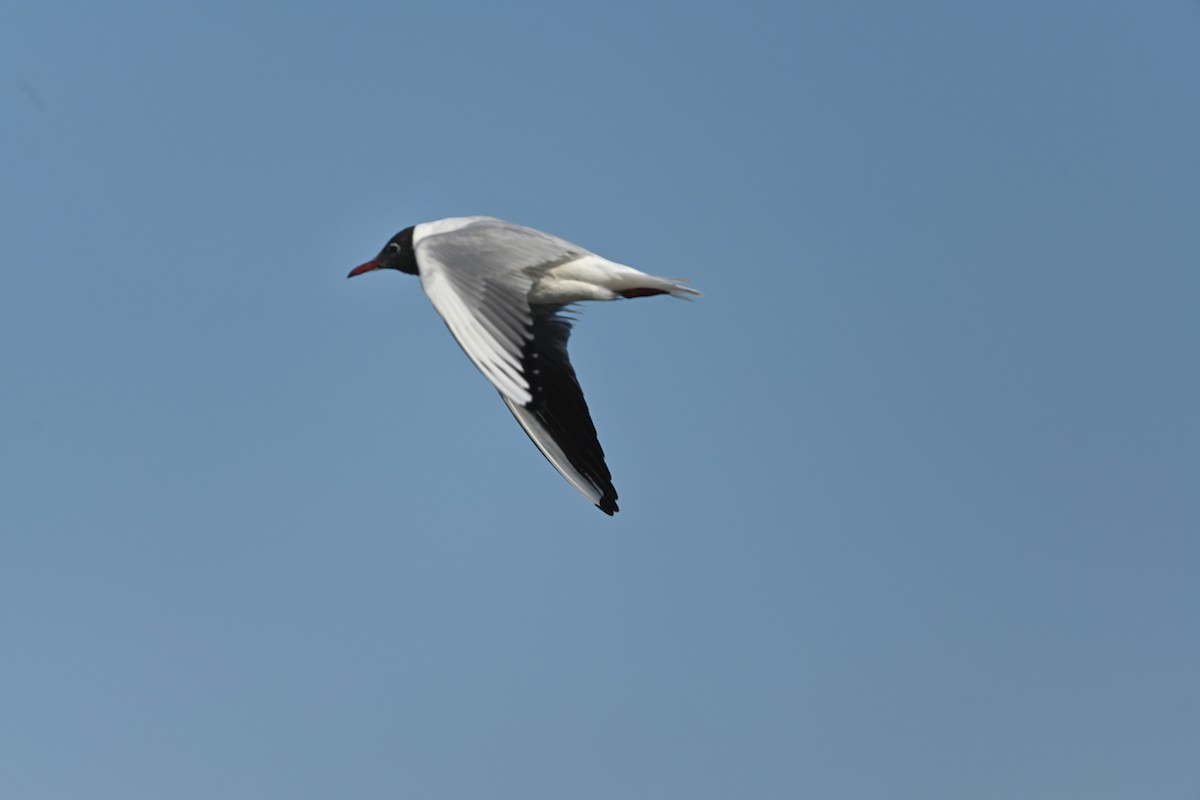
(557, 419)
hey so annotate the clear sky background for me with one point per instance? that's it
(910, 500)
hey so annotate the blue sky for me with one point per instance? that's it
(910, 500)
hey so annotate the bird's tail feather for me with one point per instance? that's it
(650, 285)
(678, 289)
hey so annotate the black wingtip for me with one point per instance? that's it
(608, 504)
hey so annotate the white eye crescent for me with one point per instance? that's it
(393, 247)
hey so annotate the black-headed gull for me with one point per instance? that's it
(500, 288)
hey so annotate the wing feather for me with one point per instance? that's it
(559, 423)
(478, 277)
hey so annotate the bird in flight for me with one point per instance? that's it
(501, 289)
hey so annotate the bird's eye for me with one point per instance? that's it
(392, 247)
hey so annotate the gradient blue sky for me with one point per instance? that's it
(910, 500)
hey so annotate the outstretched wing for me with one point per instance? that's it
(557, 419)
(478, 277)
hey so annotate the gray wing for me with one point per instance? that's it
(478, 278)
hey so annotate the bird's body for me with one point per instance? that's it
(500, 288)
